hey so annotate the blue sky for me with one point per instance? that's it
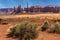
(12, 3)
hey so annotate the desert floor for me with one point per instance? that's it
(42, 35)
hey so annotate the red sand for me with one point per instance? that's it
(42, 35)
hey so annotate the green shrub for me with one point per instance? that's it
(4, 22)
(45, 26)
(11, 31)
(51, 29)
(24, 31)
(55, 28)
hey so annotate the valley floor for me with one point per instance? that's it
(42, 35)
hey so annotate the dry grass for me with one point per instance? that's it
(36, 18)
(50, 15)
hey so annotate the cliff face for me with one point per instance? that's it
(54, 9)
(6, 10)
(44, 9)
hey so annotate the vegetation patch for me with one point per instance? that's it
(55, 28)
(45, 26)
(4, 22)
(25, 30)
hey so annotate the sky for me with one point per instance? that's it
(23, 3)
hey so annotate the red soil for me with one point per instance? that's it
(48, 36)
(42, 35)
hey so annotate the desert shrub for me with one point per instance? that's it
(55, 28)
(11, 31)
(45, 26)
(4, 22)
(24, 31)
(51, 29)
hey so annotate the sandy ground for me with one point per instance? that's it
(42, 35)
(35, 15)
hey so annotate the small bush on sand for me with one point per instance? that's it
(51, 29)
(55, 28)
(4, 22)
(11, 31)
(24, 31)
(45, 26)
